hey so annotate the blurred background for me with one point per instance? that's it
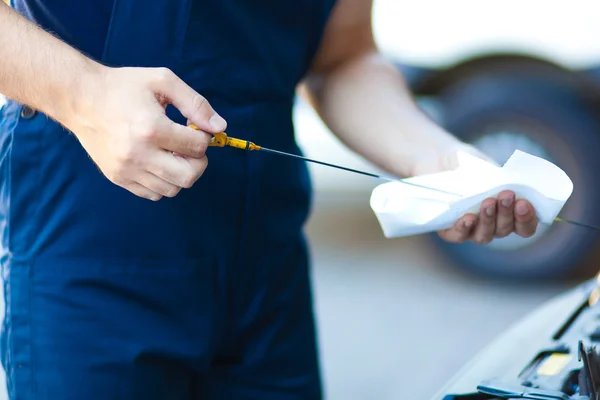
(398, 317)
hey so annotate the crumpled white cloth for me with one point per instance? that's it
(404, 210)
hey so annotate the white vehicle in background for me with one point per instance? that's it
(503, 76)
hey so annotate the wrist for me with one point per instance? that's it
(435, 153)
(77, 95)
(440, 159)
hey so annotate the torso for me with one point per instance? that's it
(245, 56)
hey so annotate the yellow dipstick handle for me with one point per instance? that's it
(222, 140)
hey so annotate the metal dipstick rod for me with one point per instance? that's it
(222, 140)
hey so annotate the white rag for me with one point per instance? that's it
(404, 210)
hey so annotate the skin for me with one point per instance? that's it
(368, 105)
(118, 114)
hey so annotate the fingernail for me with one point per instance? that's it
(468, 224)
(217, 122)
(489, 211)
(507, 202)
(522, 209)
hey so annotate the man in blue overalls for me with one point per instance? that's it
(204, 294)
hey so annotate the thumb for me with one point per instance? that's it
(191, 104)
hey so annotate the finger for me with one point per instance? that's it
(158, 185)
(505, 222)
(182, 140)
(192, 105)
(461, 231)
(179, 171)
(526, 220)
(143, 192)
(486, 223)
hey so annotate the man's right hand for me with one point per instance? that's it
(118, 114)
(122, 124)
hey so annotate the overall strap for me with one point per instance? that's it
(148, 34)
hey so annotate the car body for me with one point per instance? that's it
(540, 352)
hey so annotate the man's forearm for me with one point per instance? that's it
(368, 105)
(38, 69)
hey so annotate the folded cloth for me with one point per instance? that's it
(405, 210)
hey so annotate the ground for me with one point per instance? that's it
(395, 321)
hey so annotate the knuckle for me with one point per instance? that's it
(125, 157)
(202, 167)
(481, 239)
(145, 193)
(188, 182)
(118, 173)
(503, 232)
(149, 134)
(447, 236)
(194, 173)
(171, 192)
(464, 234)
(488, 220)
(506, 212)
(116, 177)
(148, 131)
(163, 75)
(527, 232)
(198, 147)
(459, 238)
(199, 102)
(477, 240)
(160, 171)
(458, 232)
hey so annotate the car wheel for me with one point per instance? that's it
(499, 114)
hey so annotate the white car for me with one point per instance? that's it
(550, 354)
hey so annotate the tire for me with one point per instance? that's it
(554, 121)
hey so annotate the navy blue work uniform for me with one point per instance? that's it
(203, 296)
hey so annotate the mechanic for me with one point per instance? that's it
(205, 294)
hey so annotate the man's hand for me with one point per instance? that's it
(497, 218)
(118, 114)
(123, 126)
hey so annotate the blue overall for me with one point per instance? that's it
(203, 296)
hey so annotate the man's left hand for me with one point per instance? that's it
(497, 218)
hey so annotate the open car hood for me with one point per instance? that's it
(547, 355)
